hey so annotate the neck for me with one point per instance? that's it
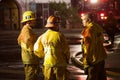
(54, 28)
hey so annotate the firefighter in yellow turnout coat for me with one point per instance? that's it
(53, 47)
(26, 40)
(94, 53)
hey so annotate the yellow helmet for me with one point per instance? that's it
(51, 21)
(27, 16)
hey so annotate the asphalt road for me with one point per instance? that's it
(11, 67)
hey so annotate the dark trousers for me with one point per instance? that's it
(97, 72)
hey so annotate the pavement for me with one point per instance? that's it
(12, 72)
(14, 69)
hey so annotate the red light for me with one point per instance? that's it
(82, 14)
(102, 14)
(102, 17)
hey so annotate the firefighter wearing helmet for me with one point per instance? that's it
(26, 40)
(52, 45)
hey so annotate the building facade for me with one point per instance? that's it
(11, 11)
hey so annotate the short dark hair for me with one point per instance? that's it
(90, 16)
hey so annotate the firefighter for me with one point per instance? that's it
(94, 54)
(53, 47)
(26, 40)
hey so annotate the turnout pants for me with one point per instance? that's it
(32, 72)
(55, 73)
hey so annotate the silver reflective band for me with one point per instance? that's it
(27, 17)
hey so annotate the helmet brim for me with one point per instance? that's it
(49, 25)
(23, 21)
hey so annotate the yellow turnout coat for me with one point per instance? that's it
(94, 51)
(26, 40)
(53, 47)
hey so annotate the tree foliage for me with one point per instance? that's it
(65, 12)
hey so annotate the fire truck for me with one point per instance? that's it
(105, 13)
(102, 10)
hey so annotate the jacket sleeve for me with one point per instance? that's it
(38, 48)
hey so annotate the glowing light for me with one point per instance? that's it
(105, 17)
(82, 14)
(102, 17)
(93, 1)
(102, 14)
